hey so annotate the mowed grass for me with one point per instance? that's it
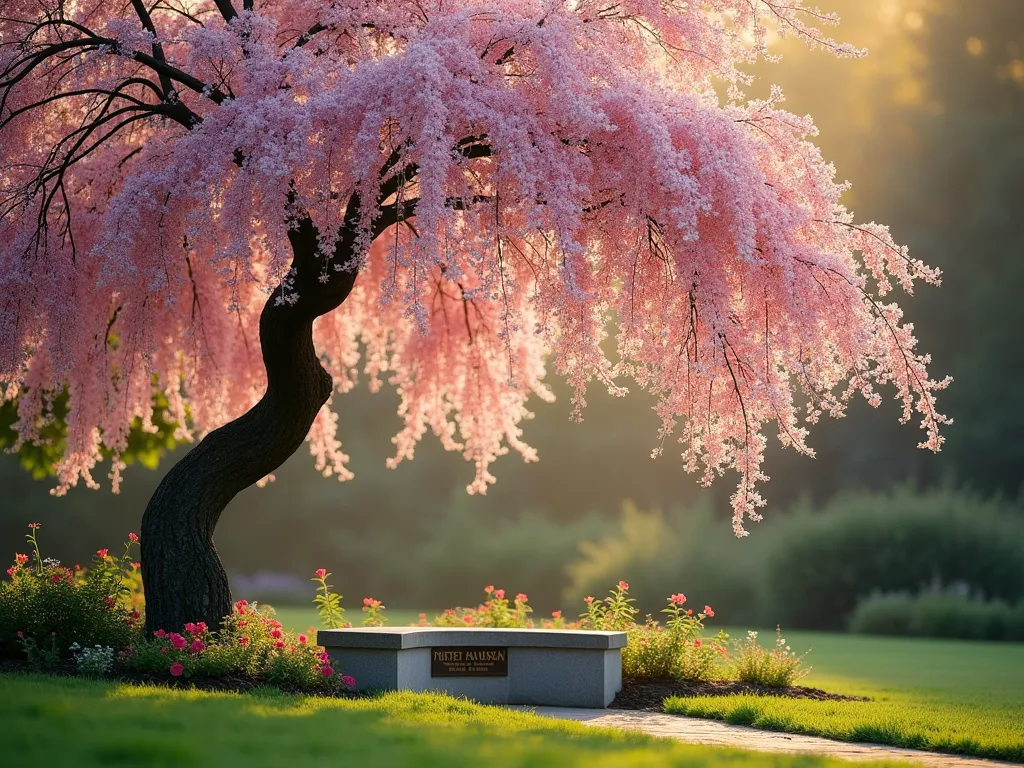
(951, 696)
(71, 721)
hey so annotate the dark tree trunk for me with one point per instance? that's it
(182, 573)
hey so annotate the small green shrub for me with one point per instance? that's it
(45, 606)
(251, 642)
(496, 611)
(903, 541)
(777, 667)
(949, 614)
(676, 650)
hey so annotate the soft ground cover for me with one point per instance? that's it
(946, 695)
(110, 724)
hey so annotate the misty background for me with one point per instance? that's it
(929, 128)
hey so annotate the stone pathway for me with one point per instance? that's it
(698, 731)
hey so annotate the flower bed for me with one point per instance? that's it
(89, 621)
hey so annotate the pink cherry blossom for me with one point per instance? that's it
(512, 181)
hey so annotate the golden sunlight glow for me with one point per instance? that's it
(975, 46)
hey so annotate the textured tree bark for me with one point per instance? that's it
(182, 573)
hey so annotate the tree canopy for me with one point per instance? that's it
(509, 180)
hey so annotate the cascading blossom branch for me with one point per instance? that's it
(510, 180)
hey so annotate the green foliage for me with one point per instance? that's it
(677, 649)
(904, 540)
(251, 642)
(615, 612)
(948, 613)
(46, 607)
(776, 667)
(496, 611)
(328, 603)
(41, 455)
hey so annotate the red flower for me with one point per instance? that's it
(349, 681)
(177, 669)
(697, 643)
(499, 594)
(101, 553)
(240, 607)
(21, 559)
(243, 641)
(160, 633)
(588, 599)
(689, 611)
(521, 597)
(198, 646)
(33, 526)
(326, 670)
(133, 538)
(136, 565)
(489, 588)
(177, 641)
(276, 634)
(11, 571)
(279, 644)
(468, 619)
(678, 598)
(109, 601)
(191, 628)
(303, 639)
(20, 633)
(556, 614)
(136, 615)
(624, 586)
(320, 573)
(55, 578)
(708, 612)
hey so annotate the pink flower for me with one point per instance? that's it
(177, 669)
(624, 586)
(521, 597)
(12, 570)
(303, 639)
(697, 643)
(588, 599)
(499, 594)
(240, 607)
(324, 656)
(101, 554)
(327, 670)
(320, 573)
(275, 624)
(468, 619)
(489, 588)
(133, 538)
(708, 612)
(160, 633)
(21, 559)
(136, 615)
(177, 641)
(191, 628)
(55, 578)
(279, 644)
(556, 614)
(276, 634)
(349, 681)
(198, 646)
(136, 565)
(243, 641)
(367, 601)
(33, 526)
(20, 633)
(689, 611)
(678, 598)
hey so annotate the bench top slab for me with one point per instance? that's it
(403, 638)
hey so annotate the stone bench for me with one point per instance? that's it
(565, 668)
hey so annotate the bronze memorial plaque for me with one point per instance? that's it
(469, 661)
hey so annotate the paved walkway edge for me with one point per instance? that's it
(694, 730)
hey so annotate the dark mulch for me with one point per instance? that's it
(225, 684)
(648, 695)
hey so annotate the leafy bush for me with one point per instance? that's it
(45, 607)
(900, 541)
(777, 667)
(251, 642)
(948, 613)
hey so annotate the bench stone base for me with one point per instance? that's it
(541, 670)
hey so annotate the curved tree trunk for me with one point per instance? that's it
(182, 573)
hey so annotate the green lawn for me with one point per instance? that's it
(301, 618)
(71, 721)
(952, 696)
